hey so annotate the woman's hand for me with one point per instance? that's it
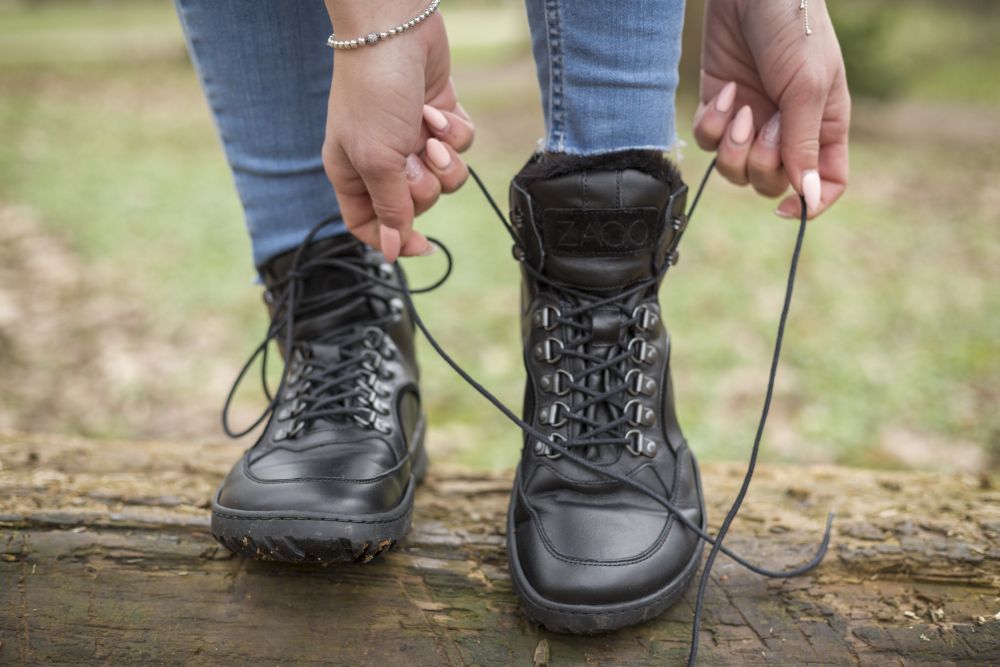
(774, 101)
(394, 126)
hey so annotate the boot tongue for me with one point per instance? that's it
(601, 230)
(319, 312)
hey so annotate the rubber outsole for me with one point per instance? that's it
(316, 537)
(596, 619)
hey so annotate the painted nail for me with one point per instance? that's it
(724, 102)
(414, 168)
(438, 154)
(435, 118)
(811, 189)
(431, 250)
(771, 134)
(391, 243)
(742, 126)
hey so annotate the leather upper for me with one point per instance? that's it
(582, 538)
(338, 466)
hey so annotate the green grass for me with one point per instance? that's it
(106, 139)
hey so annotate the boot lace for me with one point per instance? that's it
(602, 403)
(612, 368)
(717, 540)
(335, 375)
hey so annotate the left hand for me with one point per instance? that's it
(774, 101)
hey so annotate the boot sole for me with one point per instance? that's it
(316, 537)
(580, 619)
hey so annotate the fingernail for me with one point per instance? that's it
(431, 249)
(783, 214)
(438, 154)
(414, 168)
(724, 102)
(811, 189)
(742, 126)
(771, 134)
(391, 243)
(435, 118)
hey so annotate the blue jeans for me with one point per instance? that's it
(607, 72)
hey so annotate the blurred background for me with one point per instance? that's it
(126, 295)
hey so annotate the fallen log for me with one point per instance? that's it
(105, 556)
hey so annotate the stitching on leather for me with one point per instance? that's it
(646, 554)
(347, 480)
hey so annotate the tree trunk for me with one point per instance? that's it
(105, 556)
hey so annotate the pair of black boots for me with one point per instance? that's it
(332, 477)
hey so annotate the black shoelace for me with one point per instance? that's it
(340, 383)
(607, 366)
(598, 406)
(562, 449)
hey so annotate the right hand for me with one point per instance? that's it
(387, 152)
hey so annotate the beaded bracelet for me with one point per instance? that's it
(373, 38)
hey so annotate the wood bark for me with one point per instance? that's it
(105, 557)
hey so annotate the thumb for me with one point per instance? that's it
(801, 120)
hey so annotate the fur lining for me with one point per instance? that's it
(543, 166)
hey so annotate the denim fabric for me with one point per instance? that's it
(607, 73)
(265, 68)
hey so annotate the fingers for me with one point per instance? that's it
(801, 108)
(764, 164)
(391, 202)
(454, 129)
(734, 148)
(713, 117)
(425, 188)
(447, 166)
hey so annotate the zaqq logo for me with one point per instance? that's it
(613, 231)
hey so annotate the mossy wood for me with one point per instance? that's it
(105, 556)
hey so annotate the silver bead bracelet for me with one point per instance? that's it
(373, 38)
(804, 9)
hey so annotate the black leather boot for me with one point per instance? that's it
(332, 476)
(587, 553)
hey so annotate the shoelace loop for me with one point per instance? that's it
(342, 383)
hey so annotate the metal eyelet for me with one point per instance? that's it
(367, 421)
(640, 446)
(638, 383)
(294, 391)
(382, 427)
(558, 383)
(545, 317)
(385, 271)
(551, 416)
(646, 353)
(647, 319)
(372, 360)
(638, 414)
(543, 449)
(291, 411)
(373, 337)
(548, 352)
(396, 306)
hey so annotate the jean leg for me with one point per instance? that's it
(265, 70)
(608, 72)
